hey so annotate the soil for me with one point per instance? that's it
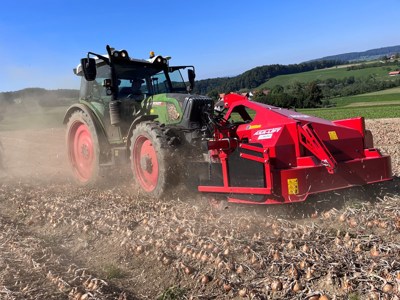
(62, 241)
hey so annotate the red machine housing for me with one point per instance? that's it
(263, 154)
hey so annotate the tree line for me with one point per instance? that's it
(42, 96)
(364, 55)
(384, 59)
(320, 93)
(257, 76)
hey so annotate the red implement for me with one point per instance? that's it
(267, 155)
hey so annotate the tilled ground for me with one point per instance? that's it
(60, 241)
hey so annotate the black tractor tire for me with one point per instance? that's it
(153, 159)
(83, 148)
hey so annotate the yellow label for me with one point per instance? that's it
(332, 135)
(293, 186)
(254, 126)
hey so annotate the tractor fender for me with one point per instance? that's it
(135, 122)
(103, 140)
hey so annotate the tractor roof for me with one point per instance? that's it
(125, 61)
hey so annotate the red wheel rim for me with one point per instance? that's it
(145, 163)
(81, 151)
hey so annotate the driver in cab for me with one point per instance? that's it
(136, 94)
(132, 92)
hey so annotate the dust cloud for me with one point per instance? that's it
(2, 112)
(29, 149)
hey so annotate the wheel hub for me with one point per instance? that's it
(85, 151)
(146, 164)
(81, 151)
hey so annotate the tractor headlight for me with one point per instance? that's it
(124, 54)
(121, 54)
(160, 60)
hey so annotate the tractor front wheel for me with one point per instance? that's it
(83, 148)
(152, 159)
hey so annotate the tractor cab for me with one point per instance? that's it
(119, 76)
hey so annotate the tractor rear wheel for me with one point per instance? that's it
(152, 155)
(83, 148)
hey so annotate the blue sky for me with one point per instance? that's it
(42, 41)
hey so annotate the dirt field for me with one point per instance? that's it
(61, 241)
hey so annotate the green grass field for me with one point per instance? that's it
(380, 73)
(18, 118)
(389, 96)
(368, 112)
(382, 104)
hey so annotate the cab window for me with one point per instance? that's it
(94, 90)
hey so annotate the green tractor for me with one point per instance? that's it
(138, 112)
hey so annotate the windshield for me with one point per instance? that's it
(175, 84)
(148, 81)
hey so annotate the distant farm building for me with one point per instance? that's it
(266, 92)
(394, 73)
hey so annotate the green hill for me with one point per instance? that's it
(326, 87)
(339, 72)
(364, 55)
(39, 95)
(37, 106)
(255, 77)
(385, 97)
(381, 104)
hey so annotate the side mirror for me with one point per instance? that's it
(191, 76)
(89, 68)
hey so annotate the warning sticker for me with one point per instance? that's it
(293, 186)
(253, 126)
(332, 135)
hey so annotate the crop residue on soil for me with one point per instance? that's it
(60, 241)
